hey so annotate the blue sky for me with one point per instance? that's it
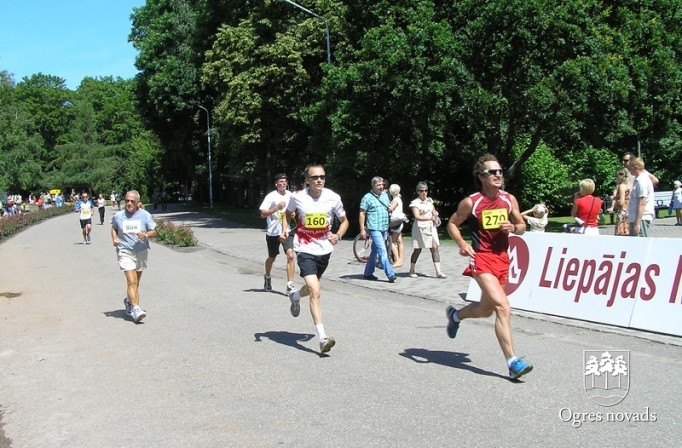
(71, 39)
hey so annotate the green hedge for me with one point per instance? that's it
(14, 224)
(167, 232)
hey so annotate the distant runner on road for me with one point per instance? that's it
(273, 209)
(84, 209)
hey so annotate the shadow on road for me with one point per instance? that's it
(118, 314)
(449, 359)
(279, 293)
(286, 338)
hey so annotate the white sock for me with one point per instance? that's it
(319, 328)
(267, 276)
(296, 296)
(290, 283)
(511, 359)
(455, 317)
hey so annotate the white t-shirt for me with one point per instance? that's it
(398, 212)
(425, 208)
(85, 209)
(274, 221)
(642, 188)
(537, 224)
(315, 218)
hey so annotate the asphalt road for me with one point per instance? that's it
(221, 363)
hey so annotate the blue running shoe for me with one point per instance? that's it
(519, 368)
(452, 325)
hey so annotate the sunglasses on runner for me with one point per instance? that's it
(496, 172)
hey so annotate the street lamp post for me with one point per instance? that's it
(329, 51)
(210, 175)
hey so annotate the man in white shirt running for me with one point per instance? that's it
(273, 210)
(316, 207)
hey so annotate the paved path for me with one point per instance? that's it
(248, 244)
(221, 363)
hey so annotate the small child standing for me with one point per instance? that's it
(538, 221)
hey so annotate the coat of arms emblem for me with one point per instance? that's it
(606, 375)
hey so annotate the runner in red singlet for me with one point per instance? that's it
(491, 214)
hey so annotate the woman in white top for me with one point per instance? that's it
(398, 220)
(425, 229)
(101, 205)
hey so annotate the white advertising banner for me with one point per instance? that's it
(624, 281)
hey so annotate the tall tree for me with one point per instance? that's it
(168, 82)
(49, 102)
(267, 68)
(20, 142)
(395, 100)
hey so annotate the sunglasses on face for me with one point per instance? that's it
(495, 172)
(318, 177)
(422, 191)
(626, 160)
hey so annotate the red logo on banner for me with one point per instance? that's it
(519, 259)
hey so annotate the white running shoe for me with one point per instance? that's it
(326, 344)
(291, 288)
(137, 314)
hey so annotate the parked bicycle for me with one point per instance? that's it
(362, 247)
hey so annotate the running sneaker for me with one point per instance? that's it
(267, 283)
(128, 305)
(452, 326)
(295, 305)
(326, 344)
(291, 288)
(137, 314)
(519, 368)
(88, 240)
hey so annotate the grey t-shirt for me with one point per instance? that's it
(128, 226)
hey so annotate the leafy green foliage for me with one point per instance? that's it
(558, 90)
(544, 178)
(169, 233)
(20, 142)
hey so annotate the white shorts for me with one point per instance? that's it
(132, 261)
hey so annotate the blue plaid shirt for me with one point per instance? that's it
(376, 211)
